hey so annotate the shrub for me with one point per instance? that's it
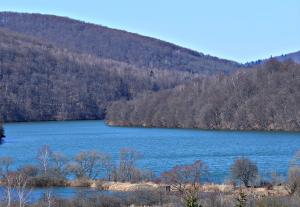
(29, 170)
(241, 200)
(81, 182)
(46, 181)
(293, 183)
(244, 170)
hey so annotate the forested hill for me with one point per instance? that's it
(295, 56)
(141, 51)
(265, 98)
(41, 82)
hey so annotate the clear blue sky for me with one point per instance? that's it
(241, 30)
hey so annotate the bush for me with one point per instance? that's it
(293, 183)
(46, 181)
(81, 182)
(244, 170)
(29, 170)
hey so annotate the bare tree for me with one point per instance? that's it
(293, 184)
(186, 180)
(44, 157)
(244, 170)
(127, 166)
(5, 165)
(7, 178)
(59, 163)
(22, 190)
(108, 166)
(89, 164)
(48, 199)
(16, 187)
(9, 182)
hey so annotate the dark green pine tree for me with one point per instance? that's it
(241, 199)
(192, 201)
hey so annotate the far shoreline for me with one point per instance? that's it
(150, 127)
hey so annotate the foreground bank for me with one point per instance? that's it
(182, 185)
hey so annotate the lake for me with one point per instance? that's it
(161, 148)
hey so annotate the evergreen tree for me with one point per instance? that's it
(241, 199)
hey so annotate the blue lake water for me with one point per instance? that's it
(161, 148)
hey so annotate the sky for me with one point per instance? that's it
(240, 30)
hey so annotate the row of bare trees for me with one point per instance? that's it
(185, 181)
(16, 191)
(55, 166)
(55, 169)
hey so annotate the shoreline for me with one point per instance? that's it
(278, 190)
(117, 124)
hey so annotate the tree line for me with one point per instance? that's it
(264, 98)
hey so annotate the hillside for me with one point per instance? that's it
(295, 56)
(41, 82)
(141, 51)
(265, 98)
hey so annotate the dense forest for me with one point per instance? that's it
(141, 51)
(41, 82)
(264, 98)
(56, 68)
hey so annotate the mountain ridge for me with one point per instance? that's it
(115, 44)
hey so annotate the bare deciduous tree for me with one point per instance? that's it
(5, 165)
(244, 170)
(22, 190)
(127, 167)
(59, 163)
(293, 182)
(44, 157)
(89, 164)
(186, 180)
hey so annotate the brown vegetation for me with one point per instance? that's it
(180, 186)
(265, 98)
(245, 171)
(40, 82)
(103, 42)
